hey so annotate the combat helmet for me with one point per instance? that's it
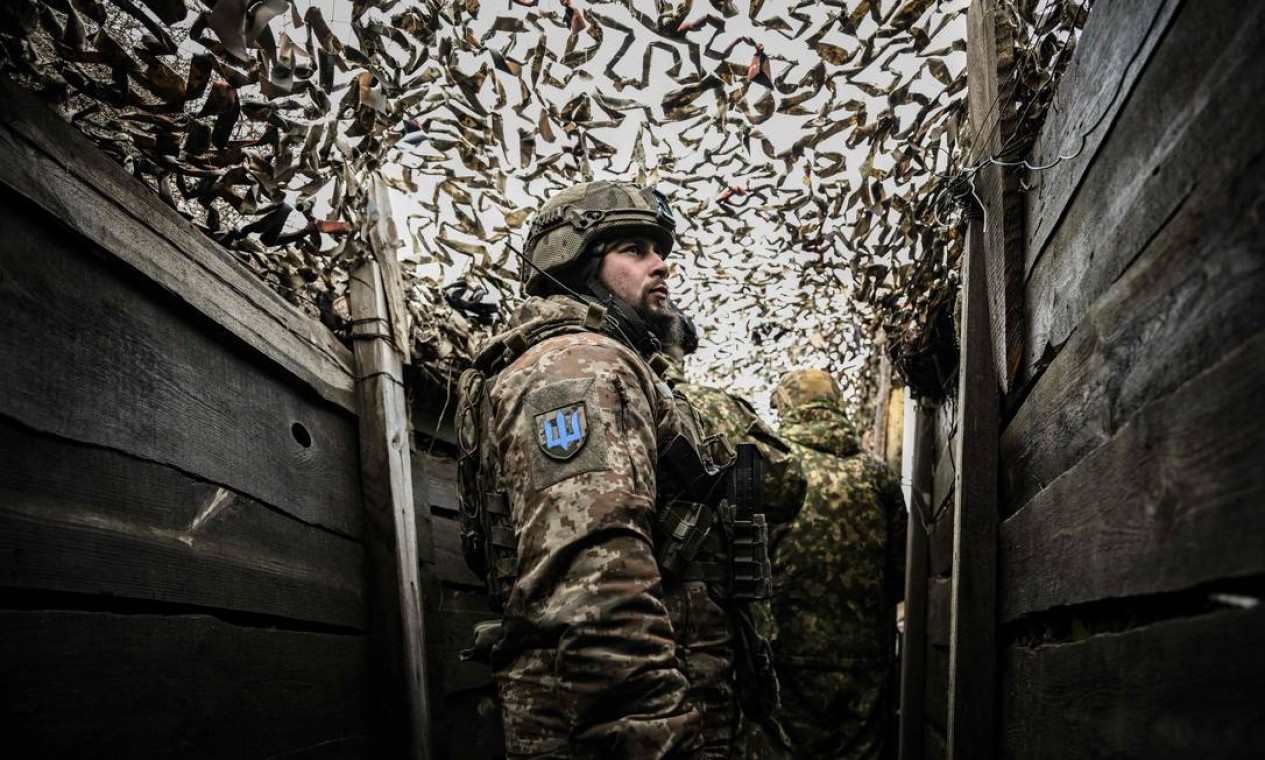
(802, 386)
(569, 225)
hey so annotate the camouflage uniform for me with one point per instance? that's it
(589, 662)
(727, 420)
(838, 573)
(602, 651)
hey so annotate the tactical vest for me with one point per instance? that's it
(697, 535)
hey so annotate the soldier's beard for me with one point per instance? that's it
(663, 323)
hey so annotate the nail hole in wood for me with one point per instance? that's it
(301, 435)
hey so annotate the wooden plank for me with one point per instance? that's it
(1178, 689)
(1172, 501)
(1191, 297)
(94, 684)
(1113, 50)
(472, 726)
(973, 626)
(933, 741)
(443, 556)
(441, 483)
(939, 610)
(421, 511)
(391, 526)
(913, 663)
(1191, 118)
(84, 519)
(946, 443)
(48, 161)
(450, 563)
(937, 689)
(989, 61)
(458, 635)
(93, 353)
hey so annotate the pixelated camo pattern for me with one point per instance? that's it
(604, 658)
(727, 421)
(838, 571)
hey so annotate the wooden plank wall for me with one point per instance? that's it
(1131, 557)
(466, 714)
(182, 570)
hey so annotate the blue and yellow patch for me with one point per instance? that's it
(561, 432)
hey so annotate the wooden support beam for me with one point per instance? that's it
(990, 54)
(973, 628)
(913, 665)
(390, 521)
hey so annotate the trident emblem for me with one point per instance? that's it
(562, 432)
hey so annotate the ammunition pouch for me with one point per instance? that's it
(682, 528)
(487, 536)
(752, 577)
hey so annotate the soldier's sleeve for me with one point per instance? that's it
(578, 449)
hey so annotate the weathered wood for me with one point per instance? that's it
(933, 741)
(989, 61)
(937, 690)
(94, 684)
(1178, 689)
(1192, 116)
(94, 353)
(450, 563)
(433, 405)
(946, 443)
(472, 726)
(48, 161)
(421, 510)
(1190, 298)
(1170, 502)
(913, 663)
(391, 525)
(442, 555)
(84, 519)
(973, 631)
(1113, 49)
(939, 610)
(459, 613)
(940, 538)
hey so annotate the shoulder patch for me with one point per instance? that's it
(562, 432)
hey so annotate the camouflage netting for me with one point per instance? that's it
(808, 146)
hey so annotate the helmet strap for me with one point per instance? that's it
(623, 319)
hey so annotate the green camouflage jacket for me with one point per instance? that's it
(838, 570)
(728, 420)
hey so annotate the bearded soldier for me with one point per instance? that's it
(838, 574)
(610, 643)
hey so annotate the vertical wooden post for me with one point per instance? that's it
(990, 97)
(387, 484)
(973, 627)
(913, 666)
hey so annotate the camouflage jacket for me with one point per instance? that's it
(728, 420)
(838, 571)
(592, 659)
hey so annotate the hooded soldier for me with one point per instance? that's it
(603, 649)
(838, 574)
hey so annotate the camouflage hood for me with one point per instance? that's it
(821, 425)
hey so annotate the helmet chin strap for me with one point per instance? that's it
(624, 319)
